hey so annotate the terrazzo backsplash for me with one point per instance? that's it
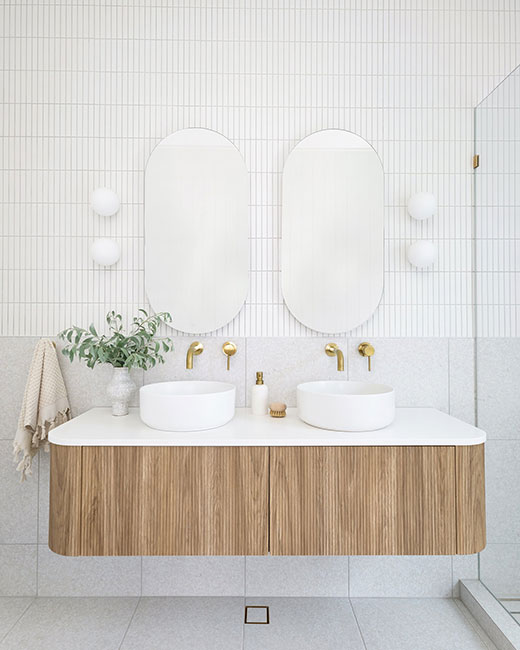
(425, 372)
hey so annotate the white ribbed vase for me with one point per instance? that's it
(120, 391)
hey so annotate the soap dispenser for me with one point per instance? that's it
(259, 396)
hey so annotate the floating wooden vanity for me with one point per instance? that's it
(259, 486)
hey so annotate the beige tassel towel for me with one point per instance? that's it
(45, 406)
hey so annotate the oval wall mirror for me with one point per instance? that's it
(332, 231)
(196, 230)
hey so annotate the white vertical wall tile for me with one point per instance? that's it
(88, 91)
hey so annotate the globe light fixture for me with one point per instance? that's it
(105, 252)
(422, 205)
(422, 254)
(105, 202)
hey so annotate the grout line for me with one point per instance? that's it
(244, 602)
(129, 623)
(245, 371)
(38, 527)
(449, 377)
(245, 577)
(452, 580)
(33, 600)
(357, 623)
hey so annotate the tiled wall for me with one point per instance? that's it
(27, 566)
(89, 88)
(497, 232)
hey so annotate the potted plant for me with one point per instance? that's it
(140, 348)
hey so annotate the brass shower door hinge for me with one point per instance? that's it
(476, 161)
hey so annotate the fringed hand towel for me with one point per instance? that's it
(45, 406)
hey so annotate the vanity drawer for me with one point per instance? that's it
(426, 500)
(159, 500)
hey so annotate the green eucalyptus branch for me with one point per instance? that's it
(140, 348)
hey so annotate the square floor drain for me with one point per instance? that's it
(256, 615)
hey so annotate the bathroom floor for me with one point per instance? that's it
(513, 606)
(218, 623)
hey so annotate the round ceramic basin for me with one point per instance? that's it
(187, 405)
(346, 405)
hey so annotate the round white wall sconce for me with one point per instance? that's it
(105, 202)
(422, 205)
(105, 252)
(422, 254)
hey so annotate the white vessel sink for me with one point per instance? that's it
(346, 405)
(187, 405)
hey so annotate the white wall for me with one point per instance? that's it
(89, 88)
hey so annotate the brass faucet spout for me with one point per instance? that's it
(331, 349)
(195, 348)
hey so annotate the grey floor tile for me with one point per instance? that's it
(72, 623)
(304, 624)
(11, 609)
(415, 624)
(186, 624)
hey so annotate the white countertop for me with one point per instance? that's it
(412, 426)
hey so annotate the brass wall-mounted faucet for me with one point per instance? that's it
(195, 348)
(366, 350)
(229, 349)
(332, 350)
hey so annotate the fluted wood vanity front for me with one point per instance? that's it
(255, 491)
